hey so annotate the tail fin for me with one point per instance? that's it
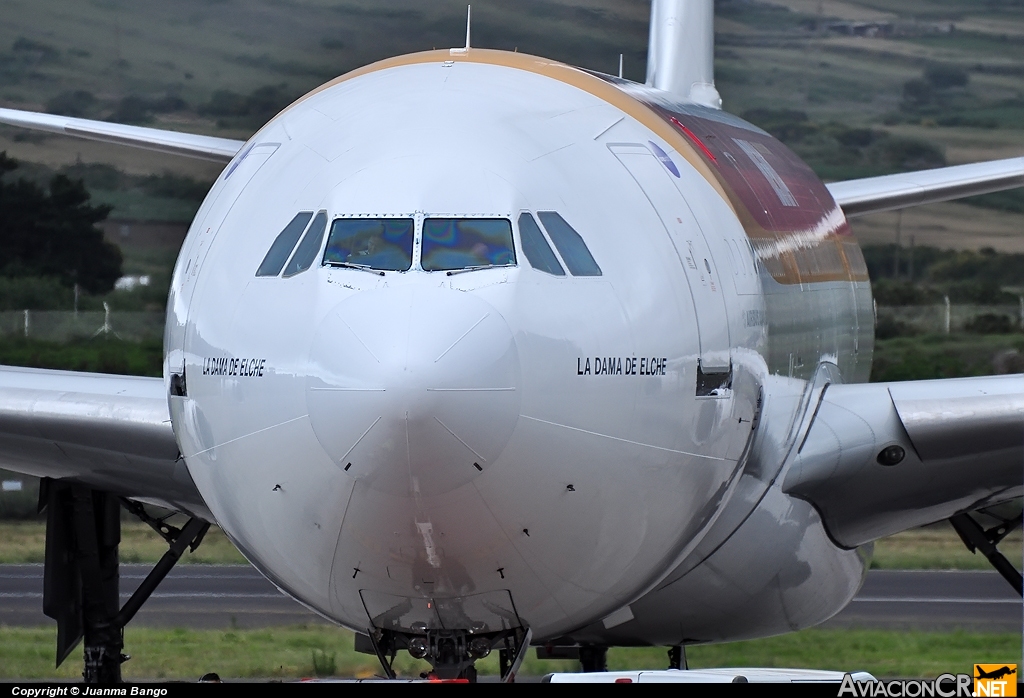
(681, 50)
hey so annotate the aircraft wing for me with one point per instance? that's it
(859, 197)
(879, 458)
(110, 432)
(173, 142)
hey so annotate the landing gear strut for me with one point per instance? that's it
(977, 539)
(451, 653)
(677, 657)
(81, 579)
(593, 658)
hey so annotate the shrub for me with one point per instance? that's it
(990, 323)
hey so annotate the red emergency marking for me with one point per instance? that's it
(693, 137)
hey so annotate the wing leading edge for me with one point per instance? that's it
(172, 142)
(859, 197)
(112, 433)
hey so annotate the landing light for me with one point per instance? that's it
(418, 648)
(891, 455)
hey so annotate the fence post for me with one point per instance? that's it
(947, 313)
(26, 322)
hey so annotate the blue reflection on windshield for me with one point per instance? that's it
(375, 243)
(450, 243)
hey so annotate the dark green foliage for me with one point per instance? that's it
(942, 356)
(970, 276)
(99, 355)
(990, 323)
(943, 76)
(984, 266)
(38, 48)
(257, 107)
(96, 175)
(917, 93)
(837, 151)
(225, 103)
(968, 120)
(53, 233)
(765, 16)
(888, 328)
(902, 154)
(24, 60)
(37, 293)
(132, 110)
(942, 95)
(23, 504)
(888, 291)
(325, 663)
(175, 187)
(162, 197)
(910, 362)
(76, 103)
(978, 292)
(1012, 200)
(135, 109)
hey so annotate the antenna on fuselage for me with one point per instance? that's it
(469, 21)
(620, 66)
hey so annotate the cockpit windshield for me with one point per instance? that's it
(467, 243)
(374, 243)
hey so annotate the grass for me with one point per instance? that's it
(305, 651)
(24, 542)
(98, 355)
(937, 547)
(939, 356)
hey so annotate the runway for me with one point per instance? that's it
(199, 596)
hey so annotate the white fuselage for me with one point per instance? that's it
(371, 439)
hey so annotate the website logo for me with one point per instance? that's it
(995, 680)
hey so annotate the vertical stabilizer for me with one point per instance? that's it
(681, 50)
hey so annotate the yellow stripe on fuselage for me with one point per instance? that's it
(558, 71)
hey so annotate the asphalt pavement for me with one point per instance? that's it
(224, 596)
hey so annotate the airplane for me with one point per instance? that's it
(470, 350)
(995, 673)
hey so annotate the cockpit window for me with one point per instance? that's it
(308, 248)
(273, 263)
(570, 245)
(467, 243)
(374, 243)
(536, 248)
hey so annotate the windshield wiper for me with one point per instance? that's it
(453, 272)
(359, 267)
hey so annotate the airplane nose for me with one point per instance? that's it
(413, 390)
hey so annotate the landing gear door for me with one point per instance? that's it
(691, 247)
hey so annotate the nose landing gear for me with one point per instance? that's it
(452, 653)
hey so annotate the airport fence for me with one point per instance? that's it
(136, 326)
(66, 325)
(949, 318)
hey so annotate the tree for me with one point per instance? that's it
(53, 233)
(943, 76)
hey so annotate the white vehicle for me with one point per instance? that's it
(469, 350)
